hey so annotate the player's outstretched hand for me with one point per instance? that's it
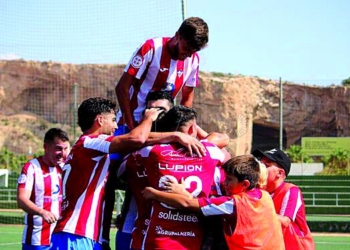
(152, 113)
(172, 186)
(192, 144)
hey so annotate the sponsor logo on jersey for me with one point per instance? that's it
(180, 168)
(181, 152)
(57, 189)
(161, 231)
(179, 73)
(22, 179)
(48, 199)
(176, 216)
(136, 62)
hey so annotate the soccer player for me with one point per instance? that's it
(164, 63)
(39, 190)
(170, 228)
(288, 200)
(86, 172)
(249, 219)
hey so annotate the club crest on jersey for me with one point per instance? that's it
(22, 179)
(136, 62)
(179, 73)
(169, 87)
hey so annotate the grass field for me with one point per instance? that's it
(11, 237)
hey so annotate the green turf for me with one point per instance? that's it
(15, 214)
(328, 218)
(332, 242)
(11, 237)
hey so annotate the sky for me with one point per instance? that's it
(301, 41)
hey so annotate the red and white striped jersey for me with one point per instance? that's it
(45, 184)
(152, 65)
(171, 228)
(84, 179)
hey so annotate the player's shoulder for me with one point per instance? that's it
(95, 142)
(290, 185)
(34, 163)
(206, 143)
(211, 147)
(152, 42)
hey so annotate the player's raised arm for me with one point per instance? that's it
(136, 137)
(122, 91)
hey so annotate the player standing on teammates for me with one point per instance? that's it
(39, 190)
(165, 63)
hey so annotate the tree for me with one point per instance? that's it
(11, 161)
(346, 82)
(337, 163)
(297, 155)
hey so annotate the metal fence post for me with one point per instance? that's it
(75, 101)
(281, 114)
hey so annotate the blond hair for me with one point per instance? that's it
(263, 175)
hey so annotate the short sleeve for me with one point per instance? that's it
(26, 178)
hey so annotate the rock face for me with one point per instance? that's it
(247, 108)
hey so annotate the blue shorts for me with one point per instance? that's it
(31, 247)
(122, 130)
(65, 241)
(122, 240)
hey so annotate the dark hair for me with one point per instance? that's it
(244, 167)
(176, 117)
(90, 108)
(160, 95)
(53, 133)
(195, 32)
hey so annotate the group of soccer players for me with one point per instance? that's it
(176, 173)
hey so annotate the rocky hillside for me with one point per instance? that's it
(36, 95)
